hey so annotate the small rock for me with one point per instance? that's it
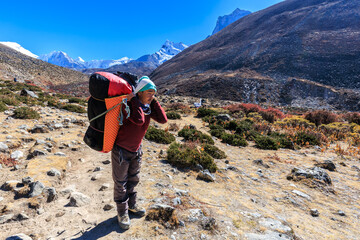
(195, 215)
(6, 218)
(232, 168)
(104, 186)
(29, 93)
(21, 192)
(3, 147)
(53, 172)
(10, 185)
(17, 155)
(208, 223)
(39, 129)
(314, 212)
(16, 167)
(176, 201)
(96, 177)
(35, 153)
(108, 207)
(274, 224)
(78, 199)
(206, 176)
(1, 198)
(19, 236)
(51, 194)
(98, 169)
(106, 162)
(60, 154)
(301, 194)
(58, 125)
(181, 192)
(36, 188)
(341, 213)
(21, 217)
(223, 117)
(40, 211)
(27, 180)
(327, 164)
(82, 160)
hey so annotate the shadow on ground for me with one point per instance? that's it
(101, 230)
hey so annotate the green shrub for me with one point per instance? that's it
(234, 140)
(73, 108)
(53, 103)
(26, 113)
(244, 126)
(194, 135)
(306, 138)
(29, 100)
(159, 135)
(77, 100)
(10, 100)
(3, 107)
(214, 151)
(186, 157)
(284, 140)
(173, 115)
(266, 142)
(203, 112)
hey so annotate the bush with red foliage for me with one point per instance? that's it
(272, 114)
(244, 107)
(321, 117)
(353, 117)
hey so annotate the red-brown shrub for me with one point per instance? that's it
(353, 117)
(244, 107)
(272, 114)
(321, 117)
(178, 107)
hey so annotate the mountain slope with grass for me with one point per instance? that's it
(14, 64)
(312, 45)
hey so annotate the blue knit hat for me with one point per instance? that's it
(144, 84)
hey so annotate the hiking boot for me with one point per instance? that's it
(138, 211)
(124, 221)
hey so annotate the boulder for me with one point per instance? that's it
(206, 176)
(78, 199)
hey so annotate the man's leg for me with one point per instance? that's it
(133, 180)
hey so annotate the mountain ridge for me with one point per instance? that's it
(314, 40)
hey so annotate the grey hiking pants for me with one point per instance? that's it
(125, 172)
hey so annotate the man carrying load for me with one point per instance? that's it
(126, 153)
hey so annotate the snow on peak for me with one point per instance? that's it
(79, 59)
(19, 48)
(167, 51)
(62, 59)
(226, 20)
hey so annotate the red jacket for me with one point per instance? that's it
(133, 130)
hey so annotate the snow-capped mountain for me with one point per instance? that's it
(62, 59)
(168, 50)
(106, 63)
(223, 21)
(19, 48)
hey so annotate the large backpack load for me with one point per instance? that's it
(108, 94)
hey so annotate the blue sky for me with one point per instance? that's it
(113, 29)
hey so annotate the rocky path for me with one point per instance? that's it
(251, 197)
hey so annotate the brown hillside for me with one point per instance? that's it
(24, 68)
